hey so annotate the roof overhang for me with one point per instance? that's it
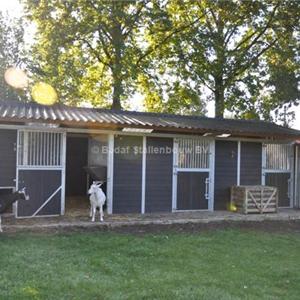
(217, 134)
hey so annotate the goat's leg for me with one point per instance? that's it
(1, 224)
(94, 213)
(101, 213)
(91, 210)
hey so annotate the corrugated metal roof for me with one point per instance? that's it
(14, 111)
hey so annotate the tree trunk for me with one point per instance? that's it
(118, 45)
(219, 73)
(117, 89)
(219, 98)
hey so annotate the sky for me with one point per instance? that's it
(15, 9)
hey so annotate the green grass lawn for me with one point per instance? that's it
(227, 264)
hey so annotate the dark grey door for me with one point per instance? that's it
(44, 190)
(225, 172)
(281, 181)
(127, 182)
(191, 190)
(159, 171)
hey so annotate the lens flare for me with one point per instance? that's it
(16, 78)
(44, 93)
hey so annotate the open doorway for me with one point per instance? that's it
(86, 161)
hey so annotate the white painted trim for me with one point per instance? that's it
(110, 173)
(193, 170)
(292, 177)
(119, 132)
(38, 216)
(189, 210)
(16, 179)
(174, 178)
(47, 201)
(277, 171)
(212, 177)
(238, 175)
(257, 140)
(17, 172)
(7, 187)
(263, 164)
(32, 128)
(63, 173)
(50, 168)
(25, 148)
(296, 195)
(144, 175)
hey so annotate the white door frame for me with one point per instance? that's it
(272, 171)
(210, 171)
(110, 173)
(296, 178)
(61, 168)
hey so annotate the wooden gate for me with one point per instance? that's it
(41, 169)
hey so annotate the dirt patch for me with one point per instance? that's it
(292, 226)
(265, 226)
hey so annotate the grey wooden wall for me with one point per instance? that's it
(8, 141)
(127, 182)
(251, 163)
(159, 169)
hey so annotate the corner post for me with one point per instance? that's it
(110, 173)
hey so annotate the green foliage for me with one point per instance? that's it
(230, 48)
(101, 51)
(12, 54)
(179, 54)
(180, 99)
(87, 49)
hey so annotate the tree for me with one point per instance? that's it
(99, 50)
(90, 49)
(179, 54)
(12, 53)
(240, 51)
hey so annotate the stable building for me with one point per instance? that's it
(150, 162)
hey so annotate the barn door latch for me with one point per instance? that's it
(207, 188)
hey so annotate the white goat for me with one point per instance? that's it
(97, 199)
